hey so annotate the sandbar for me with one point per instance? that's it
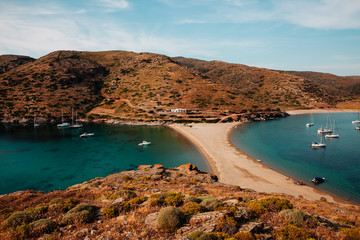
(232, 166)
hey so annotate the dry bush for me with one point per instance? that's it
(192, 208)
(290, 232)
(82, 213)
(170, 219)
(42, 226)
(244, 236)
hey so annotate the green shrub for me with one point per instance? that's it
(351, 233)
(192, 208)
(170, 219)
(295, 216)
(82, 213)
(227, 225)
(256, 207)
(175, 199)
(290, 232)
(18, 219)
(137, 200)
(208, 236)
(199, 235)
(126, 194)
(5, 213)
(211, 203)
(109, 211)
(126, 178)
(191, 199)
(42, 226)
(195, 235)
(275, 204)
(271, 204)
(63, 205)
(244, 236)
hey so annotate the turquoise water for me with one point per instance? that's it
(283, 145)
(48, 159)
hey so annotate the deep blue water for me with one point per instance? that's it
(48, 159)
(283, 145)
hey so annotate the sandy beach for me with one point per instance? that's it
(232, 166)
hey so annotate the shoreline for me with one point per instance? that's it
(235, 167)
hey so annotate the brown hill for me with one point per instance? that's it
(8, 62)
(146, 87)
(56, 81)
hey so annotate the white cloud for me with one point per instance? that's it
(320, 14)
(114, 5)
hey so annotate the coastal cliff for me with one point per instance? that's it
(153, 202)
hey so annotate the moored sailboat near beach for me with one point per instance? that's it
(322, 130)
(357, 121)
(63, 124)
(76, 125)
(311, 123)
(333, 134)
(36, 125)
(318, 145)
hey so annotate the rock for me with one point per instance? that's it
(151, 219)
(118, 200)
(144, 167)
(188, 168)
(242, 214)
(231, 202)
(253, 227)
(205, 222)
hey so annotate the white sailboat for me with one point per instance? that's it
(326, 129)
(318, 145)
(332, 135)
(63, 124)
(357, 121)
(36, 125)
(311, 123)
(76, 125)
(86, 135)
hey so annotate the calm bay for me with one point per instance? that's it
(284, 145)
(49, 159)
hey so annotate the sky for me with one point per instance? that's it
(301, 35)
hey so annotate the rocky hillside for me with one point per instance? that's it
(179, 203)
(146, 87)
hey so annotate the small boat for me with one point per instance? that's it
(311, 123)
(144, 143)
(76, 125)
(317, 180)
(63, 124)
(332, 135)
(36, 125)
(318, 145)
(322, 130)
(87, 135)
(357, 121)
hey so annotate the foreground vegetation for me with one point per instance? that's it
(179, 203)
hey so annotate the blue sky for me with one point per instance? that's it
(304, 35)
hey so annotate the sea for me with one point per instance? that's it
(48, 159)
(284, 146)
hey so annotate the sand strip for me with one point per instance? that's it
(232, 166)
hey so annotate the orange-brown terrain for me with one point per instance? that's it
(179, 203)
(146, 87)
